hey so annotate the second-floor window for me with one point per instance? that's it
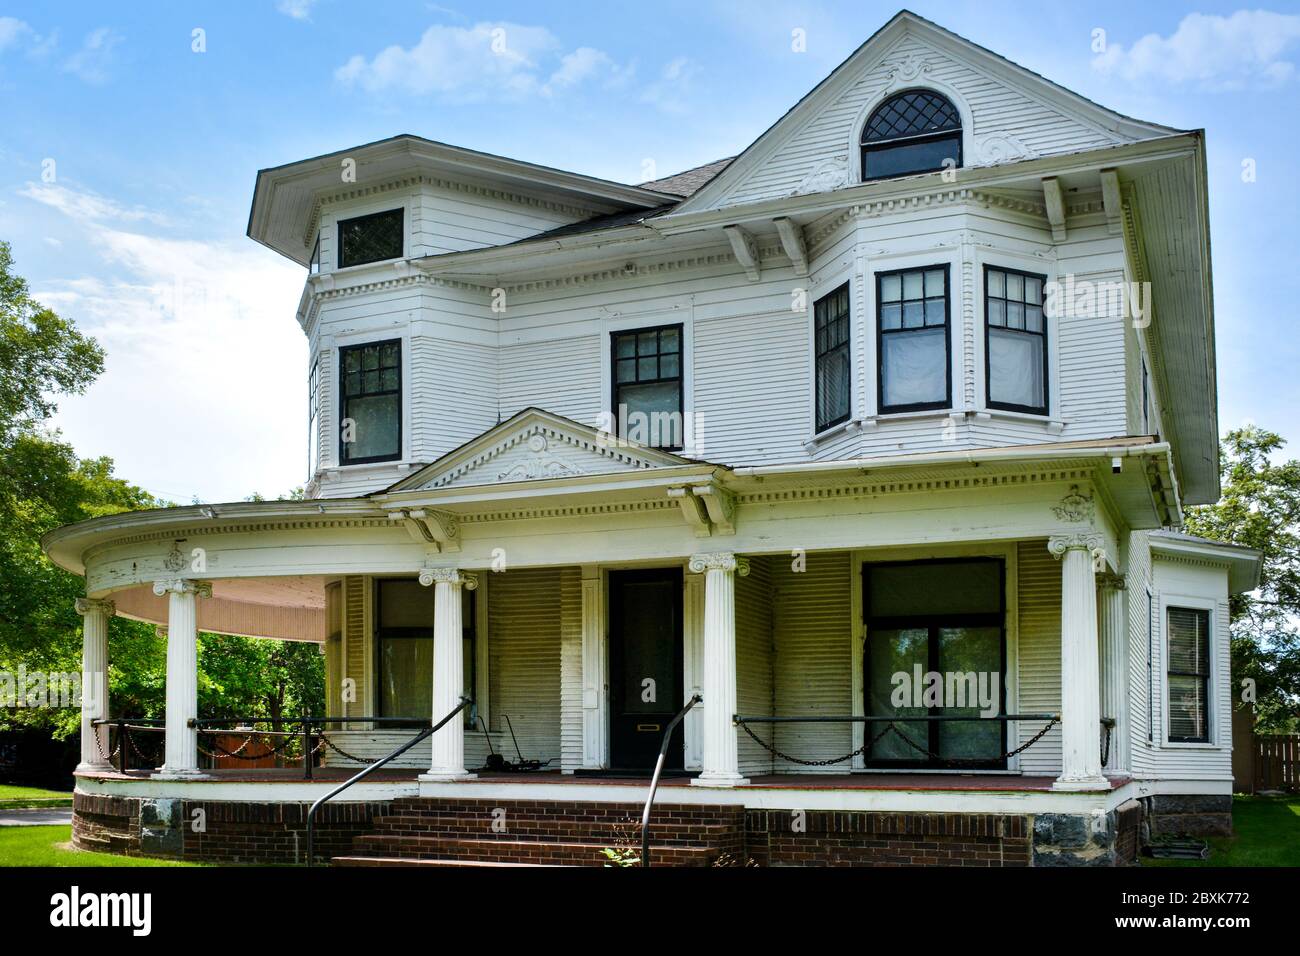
(370, 406)
(313, 417)
(1016, 341)
(1189, 674)
(831, 344)
(913, 340)
(647, 386)
(915, 131)
(371, 238)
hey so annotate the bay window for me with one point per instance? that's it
(1188, 674)
(832, 358)
(370, 402)
(1015, 344)
(913, 339)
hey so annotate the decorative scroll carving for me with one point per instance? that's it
(543, 464)
(718, 561)
(912, 68)
(827, 175)
(183, 586)
(1001, 148)
(466, 580)
(100, 605)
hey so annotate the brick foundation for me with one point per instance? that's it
(827, 838)
(576, 832)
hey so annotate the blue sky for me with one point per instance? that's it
(152, 148)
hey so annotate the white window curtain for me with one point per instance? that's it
(913, 367)
(1015, 368)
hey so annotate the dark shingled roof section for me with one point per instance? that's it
(689, 182)
(683, 184)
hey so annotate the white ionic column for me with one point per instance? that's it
(94, 682)
(448, 761)
(1114, 666)
(595, 713)
(1080, 708)
(181, 757)
(721, 757)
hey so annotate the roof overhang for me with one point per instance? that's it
(285, 197)
(1244, 565)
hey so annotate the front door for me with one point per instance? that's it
(645, 666)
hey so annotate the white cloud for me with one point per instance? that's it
(204, 389)
(486, 60)
(298, 9)
(92, 61)
(1245, 49)
(12, 30)
(671, 92)
(87, 206)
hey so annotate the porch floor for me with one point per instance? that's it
(800, 781)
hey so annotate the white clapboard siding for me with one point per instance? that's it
(813, 662)
(1092, 368)
(450, 220)
(1039, 635)
(829, 135)
(754, 685)
(457, 383)
(561, 376)
(570, 668)
(525, 623)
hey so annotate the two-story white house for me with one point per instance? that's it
(876, 437)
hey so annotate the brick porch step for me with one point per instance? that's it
(538, 852)
(515, 826)
(356, 861)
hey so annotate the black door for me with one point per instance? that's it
(645, 666)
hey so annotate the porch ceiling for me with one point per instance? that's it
(286, 608)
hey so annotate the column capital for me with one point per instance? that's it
(182, 586)
(453, 576)
(718, 561)
(96, 605)
(1058, 544)
(1111, 582)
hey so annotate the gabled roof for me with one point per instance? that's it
(536, 445)
(690, 181)
(874, 48)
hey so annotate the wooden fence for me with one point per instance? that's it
(1277, 762)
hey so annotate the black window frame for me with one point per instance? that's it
(866, 147)
(1206, 677)
(616, 385)
(340, 236)
(468, 629)
(313, 417)
(934, 622)
(345, 397)
(843, 292)
(988, 377)
(946, 403)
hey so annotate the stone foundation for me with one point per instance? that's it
(1188, 815)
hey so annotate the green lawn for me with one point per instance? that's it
(1266, 832)
(11, 797)
(51, 846)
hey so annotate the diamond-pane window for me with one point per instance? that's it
(372, 238)
(916, 131)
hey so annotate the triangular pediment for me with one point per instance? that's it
(1009, 114)
(536, 445)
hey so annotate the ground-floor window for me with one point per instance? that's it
(404, 648)
(936, 647)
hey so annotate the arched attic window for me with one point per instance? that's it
(915, 131)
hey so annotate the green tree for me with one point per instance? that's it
(41, 354)
(1260, 508)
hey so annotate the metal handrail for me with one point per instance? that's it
(896, 718)
(422, 735)
(654, 780)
